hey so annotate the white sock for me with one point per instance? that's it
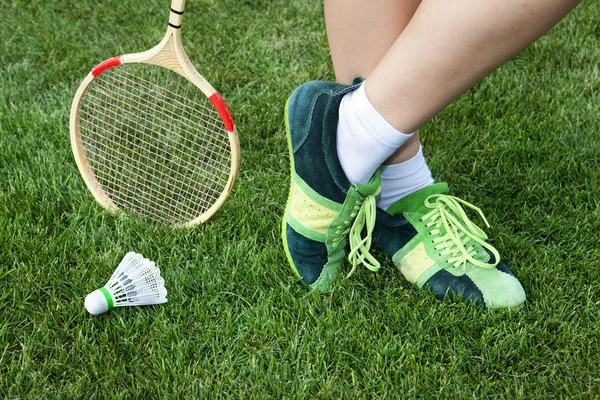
(364, 138)
(400, 180)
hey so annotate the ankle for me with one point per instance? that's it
(364, 138)
(400, 180)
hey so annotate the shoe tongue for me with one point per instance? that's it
(414, 202)
(370, 188)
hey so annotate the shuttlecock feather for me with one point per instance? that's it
(135, 282)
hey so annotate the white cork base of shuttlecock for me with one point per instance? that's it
(135, 282)
(96, 302)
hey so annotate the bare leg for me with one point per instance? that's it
(360, 33)
(449, 46)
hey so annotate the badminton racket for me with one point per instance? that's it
(151, 136)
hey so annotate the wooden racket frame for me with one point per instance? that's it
(169, 53)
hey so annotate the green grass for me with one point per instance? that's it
(523, 145)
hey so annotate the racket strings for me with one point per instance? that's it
(154, 142)
(95, 120)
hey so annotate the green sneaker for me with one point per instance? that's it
(434, 244)
(325, 211)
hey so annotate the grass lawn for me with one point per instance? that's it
(523, 145)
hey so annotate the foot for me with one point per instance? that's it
(434, 244)
(325, 211)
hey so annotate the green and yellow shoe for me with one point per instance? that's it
(325, 210)
(434, 244)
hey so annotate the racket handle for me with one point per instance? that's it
(176, 16)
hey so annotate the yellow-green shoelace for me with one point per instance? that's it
(359, 245)
(459, 231)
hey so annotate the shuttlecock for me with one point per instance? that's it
(135, 282)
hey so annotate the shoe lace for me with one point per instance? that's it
(366, 214)
(461, 240)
